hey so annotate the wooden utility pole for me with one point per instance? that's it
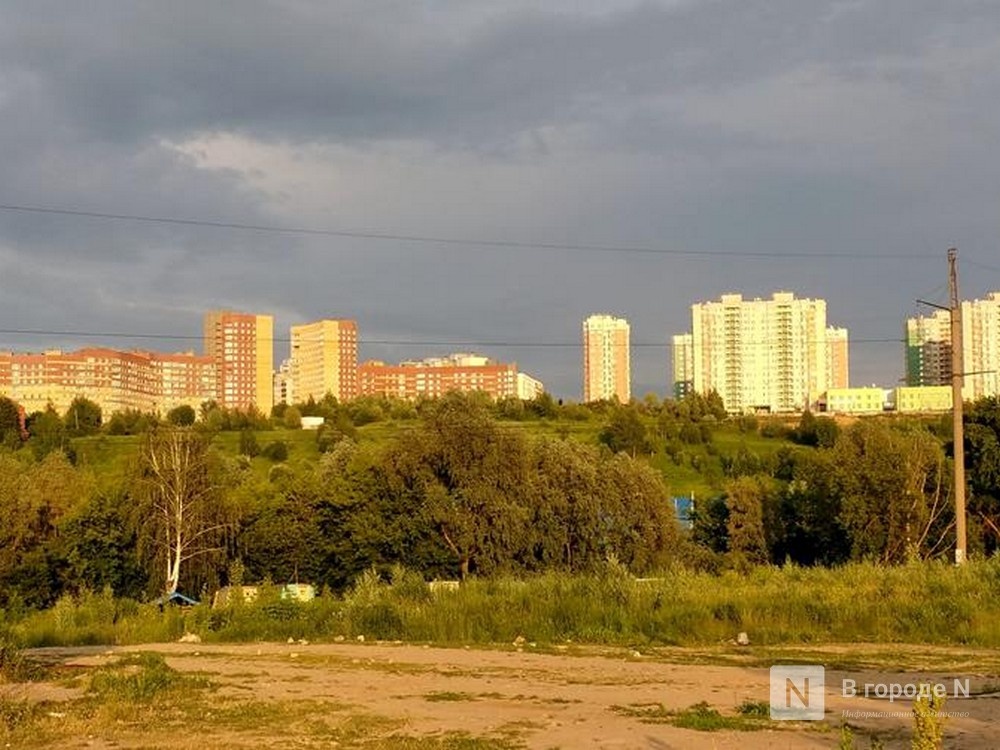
(958, 433)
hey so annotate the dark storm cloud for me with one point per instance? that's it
(718, 125)
(319, 70)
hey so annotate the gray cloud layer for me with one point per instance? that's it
(717, 125)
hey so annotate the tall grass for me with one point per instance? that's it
(921, 602)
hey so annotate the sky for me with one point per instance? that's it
(831, 149)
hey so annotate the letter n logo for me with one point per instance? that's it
(797, 692)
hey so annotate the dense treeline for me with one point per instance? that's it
(455, 495)
(458, 488)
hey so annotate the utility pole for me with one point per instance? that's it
(958, 433)
(957, 379)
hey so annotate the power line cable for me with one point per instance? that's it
(503, 343)
(467, 241)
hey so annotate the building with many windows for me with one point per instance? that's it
(529, 388)
(682, 357)
(929, 351)
(242, 347)
(606, 362)
(871, 400)
(437, 376)
(115, 380)
(766, 355)
(324, 359)
(924, 399)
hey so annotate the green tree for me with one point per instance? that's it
(276, 450)
(810, 530)
(82, 418)
(745, 498)
(47, 433)
(248, 444)
(10, 421)
(982, 463)
(625, 431)
(283, 537)
(893, 484)
(99, 537)
(34, 497)
(476, 472)
(181, 416)
(292, 418)
(129, 422)
(806, 433)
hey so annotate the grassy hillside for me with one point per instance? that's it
(689, 469)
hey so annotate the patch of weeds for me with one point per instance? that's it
(444, 696)
(14, 667)
(847, 741)
(249, 715)
(757, 709)
(701, 717)
(648, 713)
(363, 727)
(449, 741)
(15, 714)
(139, 678)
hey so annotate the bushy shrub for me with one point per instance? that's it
(276, 450)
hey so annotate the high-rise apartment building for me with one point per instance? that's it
(606, 368)
(773, 355)
(437, 376)
(682, 355)
(928, 348)
(242, 347)
(324, 359)
(284, 387)
(837, 361)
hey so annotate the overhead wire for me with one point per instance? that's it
(441, 240)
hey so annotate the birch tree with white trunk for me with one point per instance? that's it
(183, 514)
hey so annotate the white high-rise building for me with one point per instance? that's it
(773, 355)
(606, 369)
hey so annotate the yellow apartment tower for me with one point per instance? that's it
(606, 370)
(242, 347)
(837, 362)
(324, 359)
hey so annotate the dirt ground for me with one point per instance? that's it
(538, 700)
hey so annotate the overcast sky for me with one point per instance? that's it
(745, 134)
